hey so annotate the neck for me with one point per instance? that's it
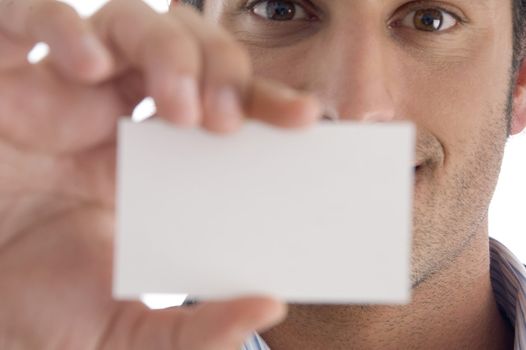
(453, 309)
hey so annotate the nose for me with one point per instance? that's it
(359, 80)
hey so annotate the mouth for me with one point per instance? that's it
(420, 161)
(418, 166)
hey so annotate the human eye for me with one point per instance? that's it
(279, 10)
(432, 19)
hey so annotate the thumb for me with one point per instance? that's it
(206, 326)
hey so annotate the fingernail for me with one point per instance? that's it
(187, 93)
(96, 52)
(227, 104)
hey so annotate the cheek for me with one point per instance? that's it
(456, 101)
(455, 94)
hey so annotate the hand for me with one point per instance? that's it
(57, 163)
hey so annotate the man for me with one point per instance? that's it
(452, 67)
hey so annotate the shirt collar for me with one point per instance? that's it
(508, 278)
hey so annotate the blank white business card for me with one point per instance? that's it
(317, 215)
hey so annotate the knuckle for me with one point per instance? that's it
(54, 12)
(171, 42)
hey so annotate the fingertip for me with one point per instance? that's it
(222, 324)
(305, 111)
(223, 111)
(282, 106)
(276, 312)
(98, 60)
(177, 99)
(89, 61)
(261, 312)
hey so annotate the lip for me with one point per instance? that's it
(419, 163)
(418, 168)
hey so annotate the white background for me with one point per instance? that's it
(508, 209)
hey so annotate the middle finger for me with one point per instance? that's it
(162, 50)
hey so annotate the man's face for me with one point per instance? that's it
(444, 65)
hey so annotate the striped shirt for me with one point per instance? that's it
(508, 278)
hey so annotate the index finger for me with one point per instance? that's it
(74, 47)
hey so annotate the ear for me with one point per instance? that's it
(518, 121)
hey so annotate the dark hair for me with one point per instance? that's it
(519, 23)
(198, 4)
(519, 33)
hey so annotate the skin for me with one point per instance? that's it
(57, 137)
(57, 163)
(383, 73)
